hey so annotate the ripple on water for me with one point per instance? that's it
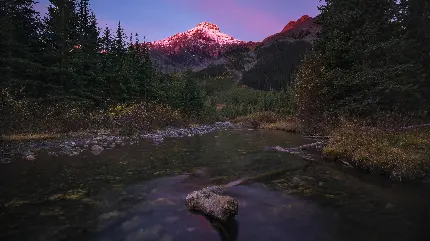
(263, 215)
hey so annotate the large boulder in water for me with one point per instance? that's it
(212, 204)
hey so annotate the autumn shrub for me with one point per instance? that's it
(399, 154)
(268, 120)
(31, 115)
(239, 101)
(144, 116)
(34, 116)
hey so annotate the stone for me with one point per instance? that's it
(96, 149)
(212, 204)
(30, 157)
(191, 229)
(132, 224)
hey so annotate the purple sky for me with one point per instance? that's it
(248, 20)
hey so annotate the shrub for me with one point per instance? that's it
(400, 154)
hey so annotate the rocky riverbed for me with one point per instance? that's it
(98, 142)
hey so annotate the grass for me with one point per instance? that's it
(268, 120)
(27, 120)
(29, 136)
(402, 154)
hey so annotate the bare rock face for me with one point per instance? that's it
(209, 202)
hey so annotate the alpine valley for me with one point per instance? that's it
(208, 51)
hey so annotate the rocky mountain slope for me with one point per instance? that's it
(268, 64)
(273, 61)
(195, 49)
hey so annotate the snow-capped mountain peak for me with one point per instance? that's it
(205, 34)
(209, 26)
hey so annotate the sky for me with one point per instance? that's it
(247, 20)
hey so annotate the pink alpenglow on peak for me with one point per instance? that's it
(293, 24)
(205, 38)
(208, 25)
(203, 31)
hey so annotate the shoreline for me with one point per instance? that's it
(72, 144)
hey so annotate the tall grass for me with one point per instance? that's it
(399, 154)
(34, 116)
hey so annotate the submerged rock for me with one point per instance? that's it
(29, 157)
(96, 149)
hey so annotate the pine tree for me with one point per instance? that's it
(192, 95)
(119, 42)
(414, 27)
(106, 41)
(20, 47)
(86, 58)
(361, 74)
(61, 37)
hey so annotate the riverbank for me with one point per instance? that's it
(402, 154)
(72, 144)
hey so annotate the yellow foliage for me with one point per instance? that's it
(269, 120)
(404, 155)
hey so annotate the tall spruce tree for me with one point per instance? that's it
(414, 27)
(61, 36)
(20, 47)
(362, 76)
(86, 58)
(119, 45)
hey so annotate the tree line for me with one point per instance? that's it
(65, 55)
(371, 59)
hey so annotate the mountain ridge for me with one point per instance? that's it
(205, 44)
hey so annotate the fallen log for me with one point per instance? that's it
(317, 137)
(296, 151)
(317, 144)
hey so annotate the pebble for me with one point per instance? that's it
(96, 149)
(191, 229)
(104, 140)
(30, 157)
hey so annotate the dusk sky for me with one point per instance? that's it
(248, 20)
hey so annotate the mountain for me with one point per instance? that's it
(268, 64)
(274, 60)
(305, 28)
(196, 48)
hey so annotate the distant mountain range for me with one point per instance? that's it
(205, 45)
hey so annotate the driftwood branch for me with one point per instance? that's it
(299, 150)
(317, 144)
(317, 137)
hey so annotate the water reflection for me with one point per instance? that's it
(263, 215)
(58, 198)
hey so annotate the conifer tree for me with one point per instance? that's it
(106, 41)
(61, 37)
(119, 42)
(20, 47)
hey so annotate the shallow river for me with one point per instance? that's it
(137, 192)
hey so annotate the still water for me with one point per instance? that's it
(137, 192)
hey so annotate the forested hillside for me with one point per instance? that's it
(61, 65)
(368, 65)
